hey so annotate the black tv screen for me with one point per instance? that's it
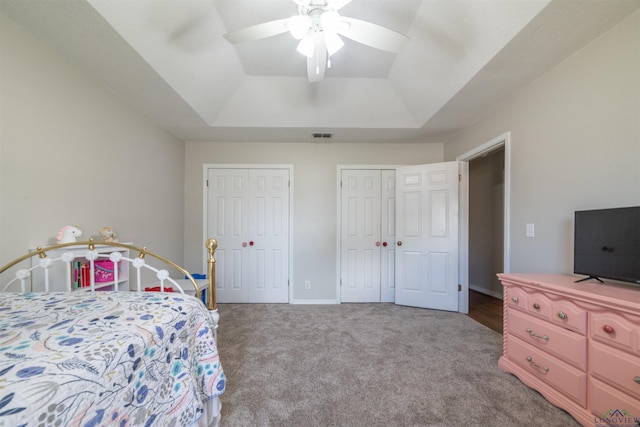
(607, 244)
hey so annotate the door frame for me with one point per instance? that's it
(205, 174)
(340, 168)
(500, 141)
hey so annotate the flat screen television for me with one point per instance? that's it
(607, 244)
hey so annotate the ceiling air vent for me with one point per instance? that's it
(321, 135)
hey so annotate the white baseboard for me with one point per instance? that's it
(485, 291)
(314, 301)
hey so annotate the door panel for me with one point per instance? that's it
(427, 236)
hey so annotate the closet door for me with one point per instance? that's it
(388, 236)
(367, 233)
(227, 207)
(248, 213)
(268, 235)
(360, 236)
(427, 236)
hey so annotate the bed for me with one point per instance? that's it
(85, 357)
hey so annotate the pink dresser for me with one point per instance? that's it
(578, 344)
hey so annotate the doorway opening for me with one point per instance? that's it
(485, 230)
(486, 238)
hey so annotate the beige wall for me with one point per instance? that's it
(73, 153)
(314, 198)
(575, 140)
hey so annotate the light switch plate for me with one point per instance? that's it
(531, 230)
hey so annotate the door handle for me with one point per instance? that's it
(399, 242)
(244, 244)
(251, 243)
(377, 243)
(384, 244)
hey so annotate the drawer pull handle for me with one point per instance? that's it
(514, 299)
(536, 306)
(562, 315)
(535, 365)
(533, 334)
(608, 329)
(637, 379)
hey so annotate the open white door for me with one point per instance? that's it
(427, 236)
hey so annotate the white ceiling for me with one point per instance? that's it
(169, 60)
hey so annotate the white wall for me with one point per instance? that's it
(314, 198)
(73, 153)
(575, 139)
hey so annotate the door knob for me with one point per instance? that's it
(377, 243)
(384, 244)
(244, 244)
(399, 242)
(251, 243)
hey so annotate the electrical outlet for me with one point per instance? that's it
(307, 284)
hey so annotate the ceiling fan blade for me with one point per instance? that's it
(259, 31)
(317, 64)
(373, 35)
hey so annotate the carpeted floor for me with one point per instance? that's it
(368, 365)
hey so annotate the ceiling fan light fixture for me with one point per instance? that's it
(299, 25)
(333, 42)
(307, 45)
(330, 21)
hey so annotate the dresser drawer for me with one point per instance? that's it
(604, 401)
(621, 370)
(561, 312)
(569, 316)
(616, 331)
(539, 305)
(542, 365)
(566, 345)
(517, 298)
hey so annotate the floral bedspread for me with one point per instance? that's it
(106, 359)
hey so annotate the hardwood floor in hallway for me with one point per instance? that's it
(486, 310)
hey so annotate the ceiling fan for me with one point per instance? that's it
(318, 26)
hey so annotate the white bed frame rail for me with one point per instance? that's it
(139, 263)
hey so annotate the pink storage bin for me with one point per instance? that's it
(104, 271)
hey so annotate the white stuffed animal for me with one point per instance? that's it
(68, 234)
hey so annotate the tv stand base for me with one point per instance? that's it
(589, 278)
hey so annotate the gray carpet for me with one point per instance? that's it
(368, 365)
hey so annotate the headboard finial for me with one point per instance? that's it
(41, 253)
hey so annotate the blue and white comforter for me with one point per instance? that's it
(106, 359)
